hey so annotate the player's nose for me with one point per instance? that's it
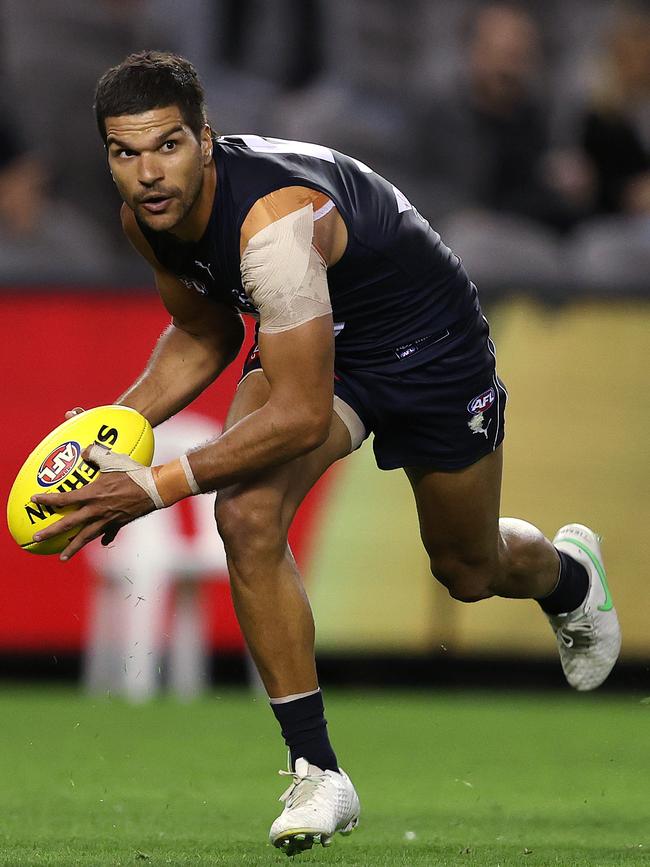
(149, 169)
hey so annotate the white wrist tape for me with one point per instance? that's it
(189, 475)
(114, 462)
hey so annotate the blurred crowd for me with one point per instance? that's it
(521, 130)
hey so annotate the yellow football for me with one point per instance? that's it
(56, 465)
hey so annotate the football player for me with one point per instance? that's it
(367, 324)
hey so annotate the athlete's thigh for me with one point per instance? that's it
(459, 510)
(282, 487)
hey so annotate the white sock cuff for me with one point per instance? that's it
(287, 698)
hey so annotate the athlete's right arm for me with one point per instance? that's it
(203, 338)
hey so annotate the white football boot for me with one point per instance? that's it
(589, 638)
(317, 805)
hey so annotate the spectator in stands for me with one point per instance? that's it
(500, 194)
(616, 133)
(22, 179)
(52, 56)
(611, 253)
(40, 237)
(489, 139)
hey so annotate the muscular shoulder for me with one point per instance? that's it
(272, 207)
(329, 234)
(282, 270)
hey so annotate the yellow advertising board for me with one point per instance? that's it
(576, 449)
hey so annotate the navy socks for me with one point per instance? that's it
(571, 589)
(304, 729)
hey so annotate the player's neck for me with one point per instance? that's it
(193, 227)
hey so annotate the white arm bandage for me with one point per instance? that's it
(283, 275)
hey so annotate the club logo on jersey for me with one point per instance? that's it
(482, 402)
(193, 283)
(58, 464)
(477, 424)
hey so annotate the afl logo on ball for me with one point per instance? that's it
(482, 402)
(58, 464)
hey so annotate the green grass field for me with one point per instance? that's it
(462, 779)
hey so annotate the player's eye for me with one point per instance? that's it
(169, 145)
(125, 153)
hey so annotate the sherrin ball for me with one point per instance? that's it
(56, 465)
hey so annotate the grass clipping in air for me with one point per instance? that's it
(444, 779)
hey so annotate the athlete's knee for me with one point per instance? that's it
(467, 579)
(250, 528)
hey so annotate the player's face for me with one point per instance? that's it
(157, 164)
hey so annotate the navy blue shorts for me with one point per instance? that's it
(436, 403)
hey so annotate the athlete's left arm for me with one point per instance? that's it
(298, 359)
(284, 271)
(296, 418)
(299, 365)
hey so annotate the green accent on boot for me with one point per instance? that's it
(608, 603)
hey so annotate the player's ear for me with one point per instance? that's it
(206, 143)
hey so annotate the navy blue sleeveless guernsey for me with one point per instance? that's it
(396, 284)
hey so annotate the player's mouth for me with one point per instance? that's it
(156, 204)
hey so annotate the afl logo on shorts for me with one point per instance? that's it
(58, 464)
(482, 402)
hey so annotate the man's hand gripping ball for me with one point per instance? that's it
(124, 491)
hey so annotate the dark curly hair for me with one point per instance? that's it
(150, 79)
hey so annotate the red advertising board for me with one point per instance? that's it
(83, 349)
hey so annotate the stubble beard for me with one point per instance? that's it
(187, 202)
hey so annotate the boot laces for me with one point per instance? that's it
(302, 788)
(579, 635)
